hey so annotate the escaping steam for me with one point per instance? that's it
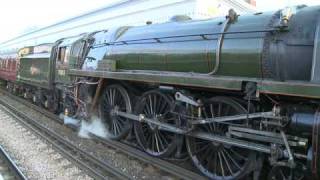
(95, 126)
(69, 120)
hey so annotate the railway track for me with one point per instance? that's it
(8, 168)
(163, 165)
(90, 164)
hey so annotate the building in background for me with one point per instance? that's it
(129, 13)
(271, 5)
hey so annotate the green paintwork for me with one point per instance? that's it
(183, 79)
(35, 69)
(75, 45)
(169, 46)
(183, 53)
(292, 88)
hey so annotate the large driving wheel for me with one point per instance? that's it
(158, 107)
(217, 160)
(115, 98)
(286, 173)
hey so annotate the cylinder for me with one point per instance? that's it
(302, 122)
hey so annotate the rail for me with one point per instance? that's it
(92, 165)
(163, 165)
(9, 169)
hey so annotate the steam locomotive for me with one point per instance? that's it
(239, 95)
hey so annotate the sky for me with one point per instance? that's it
(18, 17)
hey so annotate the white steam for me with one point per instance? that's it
(69, 120)
(95, 126)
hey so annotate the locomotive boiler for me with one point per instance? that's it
(261, 46)
(238, 95)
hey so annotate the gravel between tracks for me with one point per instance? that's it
(36, 159)
(131, 166)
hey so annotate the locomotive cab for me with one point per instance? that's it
(100, 49)
(66, 53)
(95, 53)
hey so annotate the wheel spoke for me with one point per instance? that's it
(163, 139)
(153, 140)
(117, 125)
(162, 106)
(148, 110)
(115, 98)
(210, 158)
(156, 106)
(232, 160)
(160, 140)
(116, 128)
(205, 154)
(214, 159)
(111, 97)
(157, 142)
(215, 162)
(227, 162)
(150, 106)
(221, 165)
(238, 155)
(205, 147)
(149, 139)
(212, 115)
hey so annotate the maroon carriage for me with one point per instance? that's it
(8, 66)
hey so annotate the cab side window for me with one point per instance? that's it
(63, 55)
(77, 52)
(77, 49)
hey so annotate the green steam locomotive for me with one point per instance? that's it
(235, 94)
